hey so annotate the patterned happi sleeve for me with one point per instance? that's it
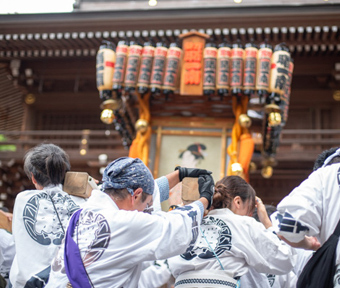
(300, 213)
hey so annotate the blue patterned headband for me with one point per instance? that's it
(128, 173)
(329, 159)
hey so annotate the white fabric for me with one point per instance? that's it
(240, 242)
(80, 201)
(130, 238)
(254, 279)
(7, 251)
(37, 232)
(336, 279)
(303, 257)
(156, 199)
(155, 275)
(315, 206)
(204, 279)
(282, 281)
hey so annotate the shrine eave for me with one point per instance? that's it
(180, 18)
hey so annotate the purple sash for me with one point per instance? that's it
(74, 266)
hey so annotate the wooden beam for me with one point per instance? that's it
(209, 17)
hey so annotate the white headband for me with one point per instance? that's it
(329, 159)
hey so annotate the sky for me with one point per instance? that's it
(35, 6)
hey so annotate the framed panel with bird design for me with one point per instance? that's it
(189, 143)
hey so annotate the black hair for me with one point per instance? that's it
(320, 160)
(269, 208)
(5, 209)
(48, 163)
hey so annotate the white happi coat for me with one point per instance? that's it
(313, 207)
(154, 274)
(7, 252)
(114, 243)
(254, 279)
(37, 233)
(240, 242)
(303, 256)
(283, 281)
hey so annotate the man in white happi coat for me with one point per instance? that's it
(40, 216)
(107, 241)
(34, 230)
(312, 209)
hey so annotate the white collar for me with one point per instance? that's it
(220, 211)
(102, 200)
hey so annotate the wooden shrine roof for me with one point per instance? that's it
(305, 28)
(104, 5)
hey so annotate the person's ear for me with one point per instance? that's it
(237, 201)
(35, 183)
(137, 193)
(33, 179)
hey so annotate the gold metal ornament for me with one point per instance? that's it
(252, 167)
(236, 169)
(30, 99)
(336, 95)
(271, 108)
(244, 121)
(141, 125)
(274, 114)
(112, 104)
(267, 172)
(82, 152)
(274, 119)
(107, 116)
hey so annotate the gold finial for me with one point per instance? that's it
(274, 119)
(244, 121)
(30, 99)
(107, 116)
(236, 169)
(141, 125)
(252, 167)
(267, 172)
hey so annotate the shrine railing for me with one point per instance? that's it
(299, 142)
(306, 144)
(78, 143)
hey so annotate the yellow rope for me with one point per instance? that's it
(142, 140)
(239, 107)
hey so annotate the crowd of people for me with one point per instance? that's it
(119, 237)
